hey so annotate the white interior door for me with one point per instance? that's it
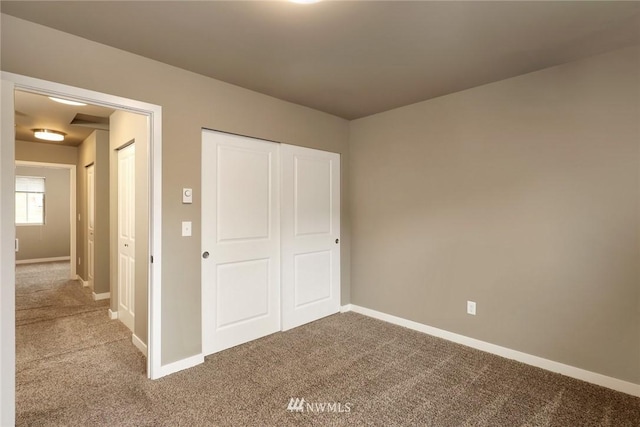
(91, 217)
(240, 240)
(126, 235)
(310, 235)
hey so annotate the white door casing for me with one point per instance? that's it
(126, 235)
(11, 82)
(310, 235)
(241, 234)
(91, 216)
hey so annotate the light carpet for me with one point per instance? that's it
(75, 367)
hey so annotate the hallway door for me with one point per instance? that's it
(91, 216)
(126, 235)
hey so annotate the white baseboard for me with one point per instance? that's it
(182, 364)
(98, 297)
(345, 308)
(139, 344)
(113, 314)
(85, 284)
(549, 365)
(39, 260)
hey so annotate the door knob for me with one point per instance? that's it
(205, 255)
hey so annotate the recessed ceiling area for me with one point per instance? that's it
(349, 58)
(35, 111)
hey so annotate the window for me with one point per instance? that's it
(29, 200)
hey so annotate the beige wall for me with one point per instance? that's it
(51, 240)
(46, 153)
(124, 128)
(522, 195)
(94, 150)
(189, 102)
(103, 214)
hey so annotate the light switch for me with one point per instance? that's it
(186, 228)
(187, 195)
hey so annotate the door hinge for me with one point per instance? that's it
(151, 259)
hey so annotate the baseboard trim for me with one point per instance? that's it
(98, 297)
(85, 284)
(345, 308)
(529, 359)
(139, 344)
(180, 365)
(113, 315)
(39, 260)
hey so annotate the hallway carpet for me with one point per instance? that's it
(75, 367)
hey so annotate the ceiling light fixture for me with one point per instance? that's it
(67, 101)
(49, 135)
(304, 1)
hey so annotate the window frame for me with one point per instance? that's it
(26, 193)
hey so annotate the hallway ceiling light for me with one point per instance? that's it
(49, 135)
(304, 1)
(67, 101)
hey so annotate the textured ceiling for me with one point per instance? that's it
(352, 58)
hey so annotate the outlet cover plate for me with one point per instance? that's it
(471, 308)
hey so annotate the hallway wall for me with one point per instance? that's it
(94, 150)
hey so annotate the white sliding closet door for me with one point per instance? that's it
(240, 240)
(310, 235)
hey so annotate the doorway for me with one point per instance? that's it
(10, 83)
(60, 220)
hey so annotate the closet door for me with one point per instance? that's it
(127, 235)
(91, 216)
(310, 235)
(240, 240)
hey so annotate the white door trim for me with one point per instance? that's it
(11, 82)
(7, 256)
(72, 208)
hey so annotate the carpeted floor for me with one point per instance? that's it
(75, 367)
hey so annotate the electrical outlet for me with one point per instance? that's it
(471, 308)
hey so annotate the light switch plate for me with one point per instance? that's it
(186, 228)
(187, 195)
